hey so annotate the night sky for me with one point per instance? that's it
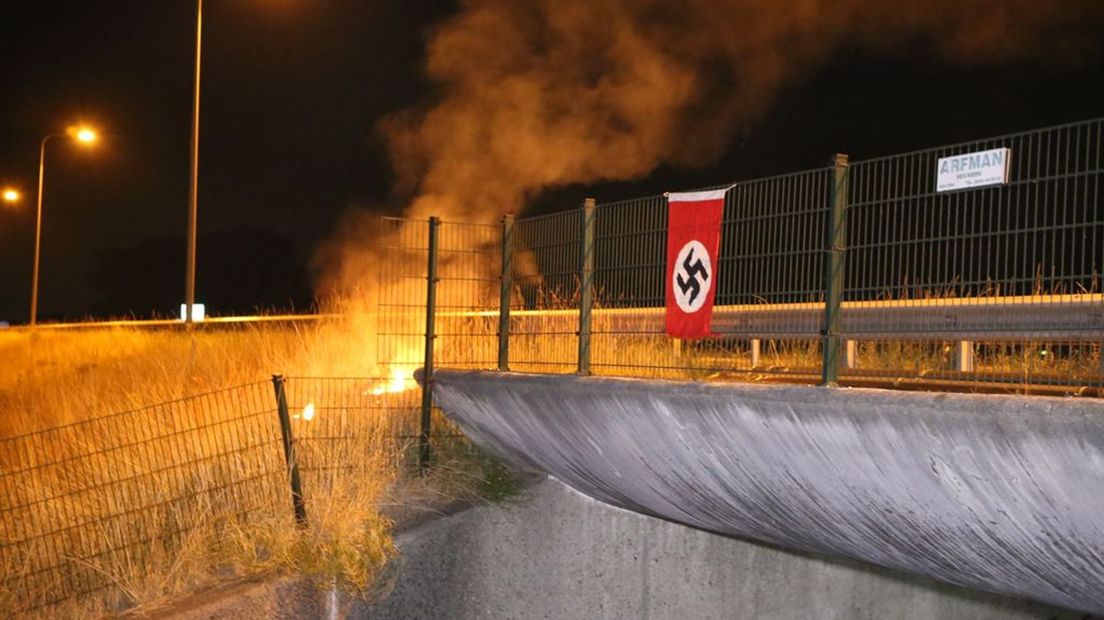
(292, 94)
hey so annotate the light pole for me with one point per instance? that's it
(189, 276)
(82, 135)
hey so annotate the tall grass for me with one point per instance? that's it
(56, 377)
(128, 509)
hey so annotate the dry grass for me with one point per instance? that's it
(136, 507)
(218, 526)
(58, 377)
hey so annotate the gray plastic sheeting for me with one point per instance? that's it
(998, 493)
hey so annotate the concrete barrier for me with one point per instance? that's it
(1003, 494)
(559, 554)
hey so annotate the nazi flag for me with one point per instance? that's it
(693, 240)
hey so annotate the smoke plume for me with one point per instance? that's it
(543, 93)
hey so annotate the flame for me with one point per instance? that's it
(398, 383)
(308, 412)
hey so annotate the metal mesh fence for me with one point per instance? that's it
(346, 424)
(769, 300)
(401, 320)
(90, 507)
(82, 503)
(544, 298)
(999, 283)
(995, 284)
(468, 288)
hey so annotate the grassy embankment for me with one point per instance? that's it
(174, 478)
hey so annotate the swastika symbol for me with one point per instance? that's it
(693, 277)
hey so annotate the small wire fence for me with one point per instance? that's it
(89, 507)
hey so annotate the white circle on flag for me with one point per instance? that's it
(692, 277)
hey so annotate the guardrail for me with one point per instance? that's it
(218, 321)
(1077, 318)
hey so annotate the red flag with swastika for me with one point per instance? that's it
(693, 240)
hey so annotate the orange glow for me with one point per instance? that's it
(307, 414)
(83, 134)
(398, 383)
(11, 195)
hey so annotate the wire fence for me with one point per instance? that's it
(998, 284)
(89, 507)
(769, 281)
(469, 260)
(542, 289)
(860, 272)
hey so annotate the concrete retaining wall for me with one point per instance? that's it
(555, 553)
(1002, 494)
(559, 554)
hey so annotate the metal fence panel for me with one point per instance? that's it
(401, 294)
(994, 284)
(82, 503)
(347, 422)
(469, 266)
(544, 312)
(769, 304)
(86, 507)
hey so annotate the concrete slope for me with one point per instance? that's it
(998, 493)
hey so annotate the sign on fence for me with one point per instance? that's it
(693, 239)
(973, 170)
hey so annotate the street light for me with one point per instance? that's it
(82, 135)
(189, 271)
(11, 195)
(85, 135)
(193, 178)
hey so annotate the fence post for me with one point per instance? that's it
(964, 356)
(430, 336)
(504, 294)
(850, 350)
(297, 501)
(586, 286)
(833, 272)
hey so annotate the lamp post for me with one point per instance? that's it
(83, 135)
(189, 276)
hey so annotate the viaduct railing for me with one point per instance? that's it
(857, 273)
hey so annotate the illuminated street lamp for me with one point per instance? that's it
(11, 195)
(82, 135)
(85, 135)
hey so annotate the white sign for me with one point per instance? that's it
(973, 170)
(198, 312)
